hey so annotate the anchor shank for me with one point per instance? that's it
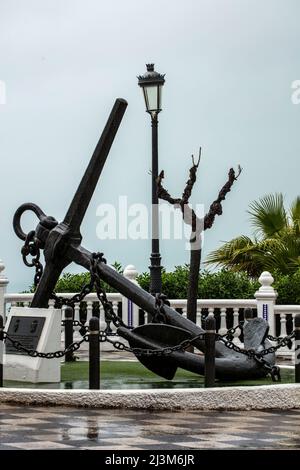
(91, 176)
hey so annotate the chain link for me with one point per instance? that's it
(230, 332)
(109, 312)
(278, 339)
(30, 247)
(49, 355)
(151, 352)
(160, 301)
(75, 323)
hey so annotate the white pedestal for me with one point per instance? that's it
(23, 368)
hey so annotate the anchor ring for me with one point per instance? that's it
(28, 206)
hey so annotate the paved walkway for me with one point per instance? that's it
(70, 428)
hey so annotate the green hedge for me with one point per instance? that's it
(223, 284)
(219, 285)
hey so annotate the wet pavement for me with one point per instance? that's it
(81, 428)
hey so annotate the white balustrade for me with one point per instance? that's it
(264, 302)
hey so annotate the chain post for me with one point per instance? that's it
(210, 351)
(1, 351)
(94, 354)
(68, 333)
(248, 314)
(297, 347)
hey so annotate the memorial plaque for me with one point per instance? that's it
(26, 330)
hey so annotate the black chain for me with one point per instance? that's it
(278, 339)
(274, 371)
(50, 355)
(109, 313)
(31, 248)
(282, 342)
(151, 352)
(251, 353)
(230, 332)
(160, 301)
(75, 323)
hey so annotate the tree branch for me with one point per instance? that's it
(216, 206)
(191, 181)
(189, 215)
(162, 193)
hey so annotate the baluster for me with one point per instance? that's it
(292, 354)
(51, 303)
(202, 320)
(211, 311)
(293, 321)
(89, 311)
(102, 318)
(198, 316)
(283, 331)
(184, 312)
(237, 332)
(77, 335)
(62, 328)
(223, 327)
(285, 350)
(26, 304)
(115, 305)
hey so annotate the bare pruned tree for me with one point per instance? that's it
(198, 225)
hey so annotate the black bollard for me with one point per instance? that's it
(248, 314)
(68, 332)
(297, 348)
(1, 351)
(210, 351)
(94, 354)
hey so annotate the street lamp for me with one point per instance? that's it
(151, 83)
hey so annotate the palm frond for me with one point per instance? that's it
(295, 215)
(268, 215)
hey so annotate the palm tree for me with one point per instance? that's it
(275, 244)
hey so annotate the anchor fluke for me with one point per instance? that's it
(156, 336)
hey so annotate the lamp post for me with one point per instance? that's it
(151, 83)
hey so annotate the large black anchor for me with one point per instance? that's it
(61, 243)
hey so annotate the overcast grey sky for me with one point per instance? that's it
(229, 66)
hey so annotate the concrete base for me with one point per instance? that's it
(23, 368)
(281, 397)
